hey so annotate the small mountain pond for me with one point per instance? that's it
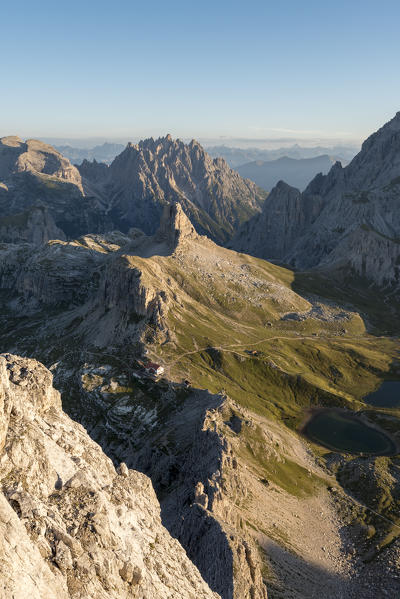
(387, 396)
(343, 430)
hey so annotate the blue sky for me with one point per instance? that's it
(303, 70)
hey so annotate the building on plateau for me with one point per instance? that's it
(153, 369)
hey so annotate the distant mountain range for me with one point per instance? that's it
(107, 151)
(296, 172)
(238, 156)
(347, 218)
(102, 153)
(296, 165)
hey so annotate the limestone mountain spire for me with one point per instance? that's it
(146, 176)
(175, 226)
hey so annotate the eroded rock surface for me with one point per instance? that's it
(70, 525)
(348, 218)
(43, 196)
(148, 175)
(131, 192)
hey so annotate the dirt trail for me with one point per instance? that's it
(244, 345)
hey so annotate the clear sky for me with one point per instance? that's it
(304, 70)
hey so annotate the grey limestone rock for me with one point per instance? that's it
(347, 218)
(99, 535)
(148, 175)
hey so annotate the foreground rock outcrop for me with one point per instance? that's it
(196, 477)
(70, 525)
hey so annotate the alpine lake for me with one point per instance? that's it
(353, 432)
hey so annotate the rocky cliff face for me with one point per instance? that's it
(43, 196)
(273, 232)
(181, 444)
(175, 227)
(71, 526)
(335, 220)
(102, 284)
(131, 192)
(148, 175)
(35, 225)
(208, 492)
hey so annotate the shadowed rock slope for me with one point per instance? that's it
(71, 526)
(348, 218)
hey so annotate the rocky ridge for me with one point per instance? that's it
(131, 192)
(196, 475)
(152, 173)
(119, 288)
(347, 218)
(71, 526)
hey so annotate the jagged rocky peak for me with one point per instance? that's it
(94, 171)
(378, 162)
(164, 149)
(340, 218)
(175, 227)
(71, 526)
(153, 172)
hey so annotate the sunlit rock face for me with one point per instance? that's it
(71, 526)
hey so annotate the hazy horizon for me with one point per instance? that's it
(220, 71)
(240, 143)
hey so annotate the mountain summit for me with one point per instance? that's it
(34, 156)
(148, 175)
(175, 226)
(347, 218)
(43, 196)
